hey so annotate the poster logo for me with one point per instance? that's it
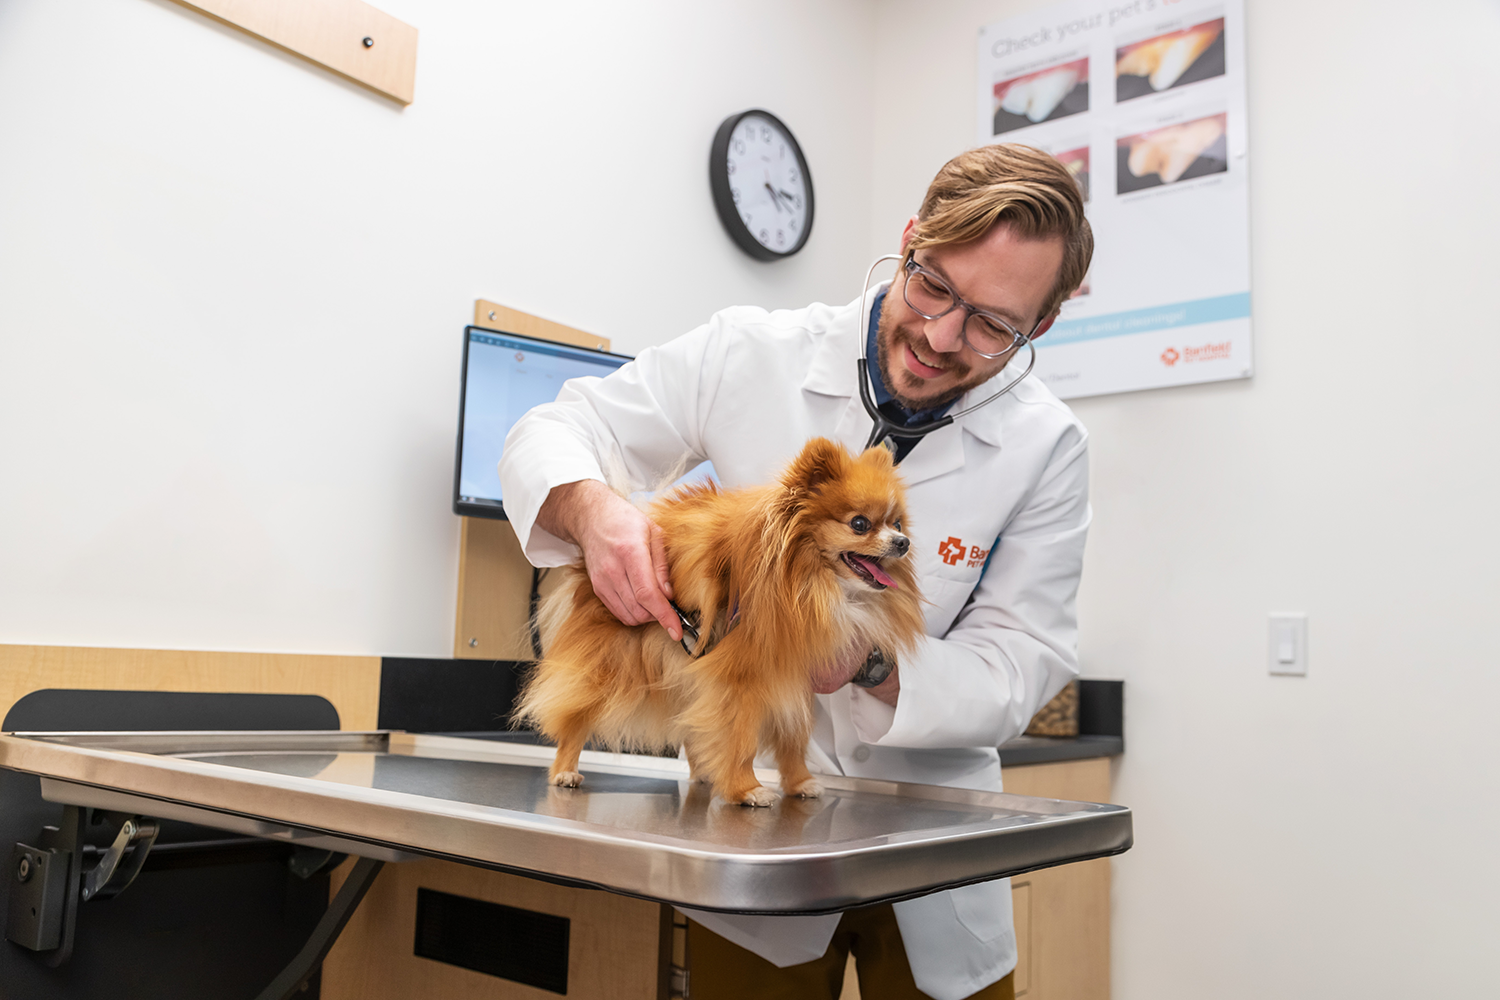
(1206, 352)
(952, 550)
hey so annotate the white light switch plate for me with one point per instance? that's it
(1288, 648)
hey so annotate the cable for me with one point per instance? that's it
(532, 603)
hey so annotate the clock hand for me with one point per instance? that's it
(774, 200)
(787, 196)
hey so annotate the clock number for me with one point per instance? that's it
(765, 134)
(731, 168)
(780, 237)
(739, 147)
(735, 194)
(792, 225)
(792, 173)
(764, 236)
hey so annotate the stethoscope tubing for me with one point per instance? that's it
(884, 427)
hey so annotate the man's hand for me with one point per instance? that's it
(623, 552)
(836, 673)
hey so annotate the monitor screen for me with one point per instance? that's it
(504, 375)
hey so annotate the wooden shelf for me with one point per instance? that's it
(333, 34)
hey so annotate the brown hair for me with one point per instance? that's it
(1012, 185)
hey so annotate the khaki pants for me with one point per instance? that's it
(722, 970)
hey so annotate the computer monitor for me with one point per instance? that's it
(504, 375)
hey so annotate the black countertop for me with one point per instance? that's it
(1049, 749)
(473, 698)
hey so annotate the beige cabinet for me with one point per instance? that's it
(1062, 914)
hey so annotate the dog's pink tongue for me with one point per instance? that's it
(881, 576)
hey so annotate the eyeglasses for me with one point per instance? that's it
(930, 297)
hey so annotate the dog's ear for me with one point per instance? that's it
(879, 455)
(820, 461)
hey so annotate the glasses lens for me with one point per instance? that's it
(987, 335)
(926, 295)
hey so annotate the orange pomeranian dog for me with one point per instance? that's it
(780, 580)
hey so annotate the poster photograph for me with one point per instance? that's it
(1042, 96)
(1144, 103)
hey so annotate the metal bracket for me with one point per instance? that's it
(49, 881)
(50, 884)
(108, 877)
(289, 983)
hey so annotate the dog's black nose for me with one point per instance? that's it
(900, 544)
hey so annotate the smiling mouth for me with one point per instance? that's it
(925, 370)
(869, 570)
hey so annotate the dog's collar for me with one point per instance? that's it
(691, 625)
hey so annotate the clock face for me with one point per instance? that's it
(761, 186)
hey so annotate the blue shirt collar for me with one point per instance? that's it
(883, 398)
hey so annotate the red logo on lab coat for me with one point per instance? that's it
(952, 550)
(1169, 357)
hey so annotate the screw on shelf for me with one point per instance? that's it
(473, 643)
(369, 42)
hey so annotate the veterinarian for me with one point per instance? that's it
(998, 504)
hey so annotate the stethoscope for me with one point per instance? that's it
(885, 428)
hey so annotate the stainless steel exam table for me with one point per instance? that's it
(637, 826)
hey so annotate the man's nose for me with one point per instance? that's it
(946, 333)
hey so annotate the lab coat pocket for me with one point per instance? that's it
(984, 909)
(946, 598)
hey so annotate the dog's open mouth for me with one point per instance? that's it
(868, 570)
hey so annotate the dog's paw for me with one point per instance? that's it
(760, 796)
(566, 779)
(808, 789)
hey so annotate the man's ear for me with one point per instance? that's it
(820, 461)
(1045, 325)
(911, 227)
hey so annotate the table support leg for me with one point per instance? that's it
(301, 968)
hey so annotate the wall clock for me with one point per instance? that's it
(761, 186)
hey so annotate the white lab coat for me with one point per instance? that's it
(745, 391)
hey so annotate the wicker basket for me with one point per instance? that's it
(1059, 717)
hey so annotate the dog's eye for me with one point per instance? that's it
(897, 525)
(860, 524)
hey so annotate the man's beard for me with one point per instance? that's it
(888, 340)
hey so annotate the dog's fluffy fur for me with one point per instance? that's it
(789, 566)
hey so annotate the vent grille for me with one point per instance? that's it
(520, 945)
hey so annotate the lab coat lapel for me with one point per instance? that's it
(832, 373)
(937, 454)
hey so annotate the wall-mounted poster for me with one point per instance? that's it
(1144, 102)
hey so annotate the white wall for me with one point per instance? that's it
(1334, 836)
(231, 290)
(232, 286)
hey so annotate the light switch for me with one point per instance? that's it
(1289, 644)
